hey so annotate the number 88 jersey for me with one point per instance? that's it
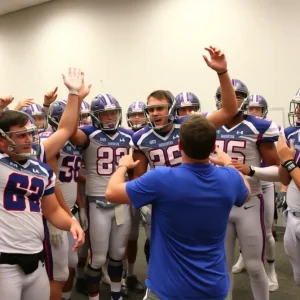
(241, 143)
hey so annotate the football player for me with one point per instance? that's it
(66, 165)
(186, 103)
(258, 106)
(27, 193)
(135, 120)
(109, 225)
(248, 139)
(289, 174)
(37, 112)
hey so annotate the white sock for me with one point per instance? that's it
(130, 270)
(115, 286)
(80, 273)
(67, 295)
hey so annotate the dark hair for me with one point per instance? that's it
(162, 94)
(12, 118)
(197, 137)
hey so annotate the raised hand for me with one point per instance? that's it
(85, 89)
(217, 60)
(24, 103)
(4, 101)
(74, 80)
(50, 97)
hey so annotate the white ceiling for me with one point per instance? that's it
(7, 6)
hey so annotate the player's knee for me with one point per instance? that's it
(255, 268)
(60, 273)
(98, 260)
(270, 239)
(73, 260)
(117, 253)
(115, 268)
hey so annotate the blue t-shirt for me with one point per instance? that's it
(190, 210)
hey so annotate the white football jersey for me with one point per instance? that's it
(101, 157)
(241, 143)
(68, 166)
(293, 193)
(160, 149)
(22, 187)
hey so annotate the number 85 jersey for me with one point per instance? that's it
(241, 143)
(101, 157)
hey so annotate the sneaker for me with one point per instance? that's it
(81, 286)
(134, 285)
(124, 290)
(239, 266)
(273, 282)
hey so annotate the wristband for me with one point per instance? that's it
(123, 166)
(219, 74)
(73, 92)
(289, 165)
(252, 171)
(46, 105)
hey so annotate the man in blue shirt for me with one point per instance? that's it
(190, 209)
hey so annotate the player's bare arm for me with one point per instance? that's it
(229, 105)
(67, 123)
(116, 188)
(288, 169)
(61, 220)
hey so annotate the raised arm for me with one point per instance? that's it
(68, 120)
(229, 104)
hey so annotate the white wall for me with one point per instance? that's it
(129, 48)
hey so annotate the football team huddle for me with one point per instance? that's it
(57, 158)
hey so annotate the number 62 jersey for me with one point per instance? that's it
(101, 157)
(22, 187)
(241, 143)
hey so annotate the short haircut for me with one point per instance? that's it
(197, 137)
(162, 94)
(11, 118)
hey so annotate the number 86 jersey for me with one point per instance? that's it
(241, 143)
(101, 157)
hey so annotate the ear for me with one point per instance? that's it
(179, 145)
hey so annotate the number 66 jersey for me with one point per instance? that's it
(22, 187)
(241, 143)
